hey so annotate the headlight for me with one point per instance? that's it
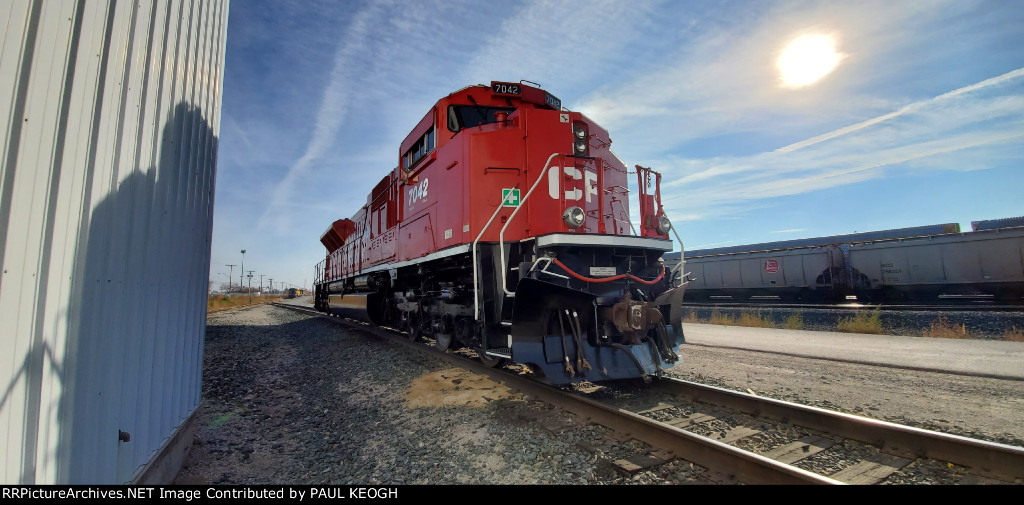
(580, 137)
(664, 225)
(573, 217)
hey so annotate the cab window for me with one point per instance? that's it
(419, 149)
(468, 116)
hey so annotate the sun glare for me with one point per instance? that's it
(807, 59)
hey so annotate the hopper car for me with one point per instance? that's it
(506, 228)
(918, 264)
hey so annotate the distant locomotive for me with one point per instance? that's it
(505, 228)
(906, 264)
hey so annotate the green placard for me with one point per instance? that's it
(509, 197)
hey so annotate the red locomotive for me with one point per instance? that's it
(506, 228)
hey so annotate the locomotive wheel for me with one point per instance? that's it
(490, 361)
(412, 326)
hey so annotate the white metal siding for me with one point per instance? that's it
(109, 118)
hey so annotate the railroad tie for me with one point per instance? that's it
(871, 471)
(803, 448)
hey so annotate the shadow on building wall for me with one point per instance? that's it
(133, 363)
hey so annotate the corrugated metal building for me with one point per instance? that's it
(109, 122)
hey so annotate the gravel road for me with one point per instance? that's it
(292, 399)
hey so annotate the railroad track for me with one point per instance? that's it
(709, 427)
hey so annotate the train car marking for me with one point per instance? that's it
(509, 197)
(418, 192)
(506, 88)
(589, 182)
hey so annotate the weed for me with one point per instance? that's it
(719, 318)
(226, 302)
(1013, 335)
(861, 323)
(794, 321)
(941, 328)
(691, 317)
(754, 320)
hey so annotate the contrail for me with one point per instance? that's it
(907, 109)
(330, 115)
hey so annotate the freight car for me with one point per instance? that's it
(912, 263)
(505, 228)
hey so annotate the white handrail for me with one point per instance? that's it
(476, 287)
(682, 261)
(476, 284)
(501, 236)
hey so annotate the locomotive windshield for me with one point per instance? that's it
(468, 116)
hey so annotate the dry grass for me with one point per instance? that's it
(719, 318)
(1013, 335)
(864, 322)
(746, 318)
(754, 320)
(221, 302)
(861, 323)
(941, 328)
(794, 321)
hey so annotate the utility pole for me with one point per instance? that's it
(242, 272)
(261, 284)
(271, 284)
(229, 276)
(250, 286)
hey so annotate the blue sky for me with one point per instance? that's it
(920, 122)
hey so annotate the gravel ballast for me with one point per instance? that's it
(293, 399)
(290, 399)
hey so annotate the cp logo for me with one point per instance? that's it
(590, 183)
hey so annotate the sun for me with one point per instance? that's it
(807, 59)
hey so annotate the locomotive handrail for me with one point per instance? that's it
(522, 203)
(476, 287)
(682, 260)
(476, 283)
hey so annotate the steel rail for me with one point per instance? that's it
(987, 458)
(743, 466)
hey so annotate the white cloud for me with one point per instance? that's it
(724, 80)
(334, 105)
(916, 106)
(986, 115)
(561, 45)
